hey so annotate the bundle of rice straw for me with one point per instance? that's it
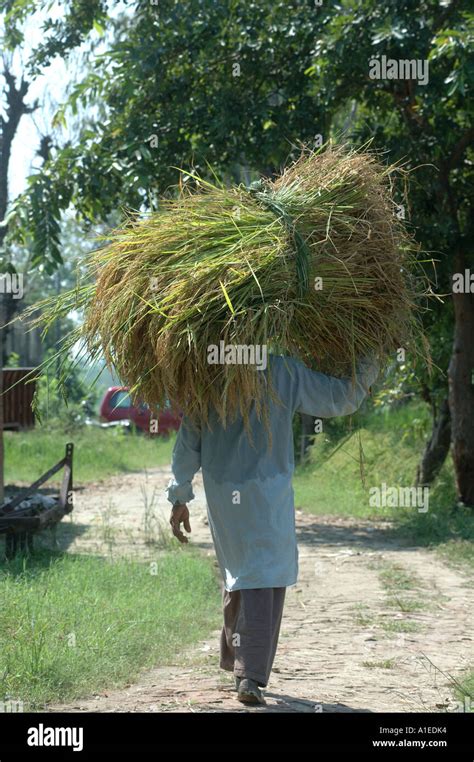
(315, 264)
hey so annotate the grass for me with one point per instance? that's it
(393, 579)
(465, 692)
(333, 485)
(155, 529)
(98, 453)
(397, 581)
(115, 637)
(72, 625)
(361, 615)
(406, 605)
(384, 664)
(399, 625)
(392, 444)
(396, 578)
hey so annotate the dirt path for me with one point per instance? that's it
(371, 625)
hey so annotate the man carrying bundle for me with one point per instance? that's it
(314, 259)
(251, 510)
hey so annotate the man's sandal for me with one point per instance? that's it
(248, 691)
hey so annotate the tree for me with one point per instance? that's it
(431, 127)
(15, 107)
(44, 230)
(226, 83)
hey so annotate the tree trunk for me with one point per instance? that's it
(461, 396)
(2, 456)
(437, 448)
(14, 97)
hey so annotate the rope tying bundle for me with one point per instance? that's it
(257, 189)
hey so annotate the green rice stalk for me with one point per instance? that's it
(240, 266)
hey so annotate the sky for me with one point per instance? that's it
(50, 89)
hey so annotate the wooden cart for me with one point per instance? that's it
(20, 524)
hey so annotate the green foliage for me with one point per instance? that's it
(430, 127)
(261, 77)
(73, 625)
(157, 52)
(391, 438)
(61, 400)
(13, 360)
(98, 453)
(236, 86)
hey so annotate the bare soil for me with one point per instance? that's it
(371, 626)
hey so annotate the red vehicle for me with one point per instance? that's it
(117, 406)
